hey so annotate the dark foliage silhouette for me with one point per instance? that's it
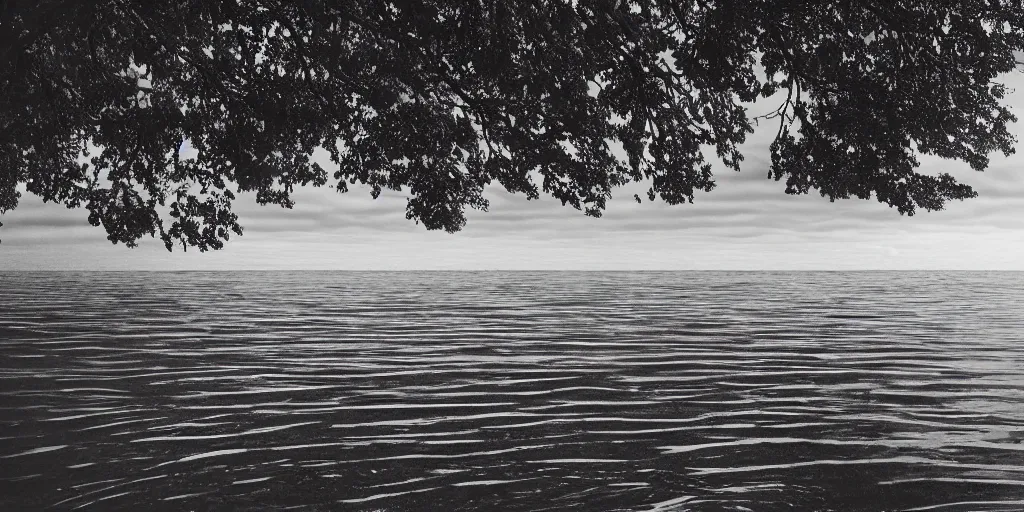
(441, 98)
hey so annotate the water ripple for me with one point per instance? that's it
(512, 391)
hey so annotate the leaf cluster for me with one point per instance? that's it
(152, 115)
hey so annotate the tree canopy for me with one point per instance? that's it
(101, 100)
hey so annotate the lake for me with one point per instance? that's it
(645, 391)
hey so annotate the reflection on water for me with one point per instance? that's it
(512, 391)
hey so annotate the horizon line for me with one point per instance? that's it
(168, 271)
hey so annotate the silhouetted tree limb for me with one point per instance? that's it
(442, 98)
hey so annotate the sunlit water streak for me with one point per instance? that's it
(512, 391)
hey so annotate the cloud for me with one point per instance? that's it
(746, 222)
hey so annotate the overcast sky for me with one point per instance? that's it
(746, 223)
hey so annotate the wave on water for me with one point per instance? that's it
(512, 391)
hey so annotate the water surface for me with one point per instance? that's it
(512, 391)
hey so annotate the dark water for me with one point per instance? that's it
(512, 391)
